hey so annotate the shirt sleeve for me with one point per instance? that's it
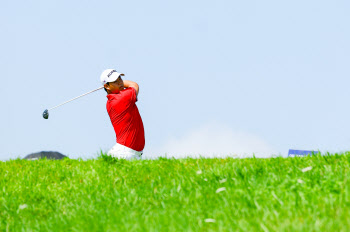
(130, 95)
(135, 94)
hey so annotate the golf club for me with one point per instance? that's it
(46, 112)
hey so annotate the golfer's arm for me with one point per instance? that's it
(128, 84)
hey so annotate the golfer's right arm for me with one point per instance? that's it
(128, 84)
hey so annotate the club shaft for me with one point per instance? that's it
(76, 98)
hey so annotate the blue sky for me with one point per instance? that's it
(216, 77)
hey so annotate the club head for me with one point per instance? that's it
(46, 114)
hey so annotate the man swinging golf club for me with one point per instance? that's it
(124, 115)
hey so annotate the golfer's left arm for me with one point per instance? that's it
(128, 84)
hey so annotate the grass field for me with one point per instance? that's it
(105, 194)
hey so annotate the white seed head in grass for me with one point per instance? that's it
(306, 169)
(300, 181)
(220, 189)
(205, 179)
(210, 220)
(178, 188)
(23, 206)
(223, 181)
(199, 172)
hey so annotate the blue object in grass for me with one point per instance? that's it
(294, 153)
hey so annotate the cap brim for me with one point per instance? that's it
(114, 76)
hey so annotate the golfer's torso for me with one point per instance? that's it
(126, 119)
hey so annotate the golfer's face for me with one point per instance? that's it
(116, 86)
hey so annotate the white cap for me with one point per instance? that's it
(109, 75)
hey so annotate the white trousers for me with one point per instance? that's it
(122, 152)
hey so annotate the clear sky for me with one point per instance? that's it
(216, 77)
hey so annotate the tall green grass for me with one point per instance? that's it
(106, 194)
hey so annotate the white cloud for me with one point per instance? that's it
(213, 140)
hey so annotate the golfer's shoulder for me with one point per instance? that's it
(127, 92)
(121, 95)
(113, 98)
(110, 97)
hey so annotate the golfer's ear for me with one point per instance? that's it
(106, 86)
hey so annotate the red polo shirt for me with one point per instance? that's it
(126, 119)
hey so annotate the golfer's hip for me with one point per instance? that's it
(123, 152)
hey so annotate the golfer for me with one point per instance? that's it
(124, 115)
